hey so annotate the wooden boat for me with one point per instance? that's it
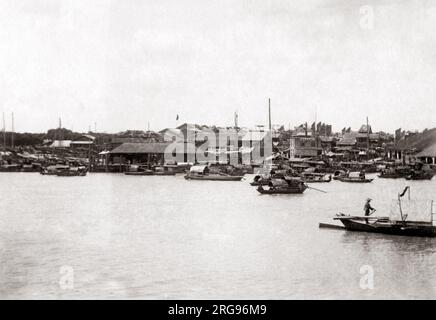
(355, 177)
(164, 171)
(72, 172)
(315, 177)
(260, 181)
(387, 227)
(53, 170)
(202, 173)
(407, 218)
(284, 186)
(395, 173)
(139, 173)
(264, 180)
(138, 170)
(213, 177)
(355, 180)
(339, 174)
(420, 175)
(10, 168)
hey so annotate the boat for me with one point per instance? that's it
(202, 172)
(73, 172)
(312, 177)
(286, 185)
(138, 170)
(395, 173)
(53, 170)
(406, 218)
(10, 168)
(260, 180)
(339, 174)
(264, 180)
(420, 175)
(164, 171)
(355, 177)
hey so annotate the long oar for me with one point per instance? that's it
(317, 189)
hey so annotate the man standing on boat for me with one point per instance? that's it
(368, 209)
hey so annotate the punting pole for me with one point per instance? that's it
(317, 189)
(330, 226)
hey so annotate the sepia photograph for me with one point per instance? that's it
(185, 150)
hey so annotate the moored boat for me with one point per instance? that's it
(395, 173)
(72, 172)
(355, 177)
(53, 169)
(164, 171)
(420, 175)
(201, 172)
(138, 170)
(313, 177)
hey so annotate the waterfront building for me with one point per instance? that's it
(413, 146)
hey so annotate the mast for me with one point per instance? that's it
(367, 136)
(269, 113)
(61, 136)
(4, 132)
(12, 132)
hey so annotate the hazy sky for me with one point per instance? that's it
(124, 63)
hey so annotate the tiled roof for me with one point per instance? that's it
(141, 148)
(428, 152)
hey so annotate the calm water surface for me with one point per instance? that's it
(167, 238)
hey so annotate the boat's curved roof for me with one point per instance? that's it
(199, 169)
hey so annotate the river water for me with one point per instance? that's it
(150, 237)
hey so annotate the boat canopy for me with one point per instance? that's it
(354, 174)
(278, 183)
(199, 169)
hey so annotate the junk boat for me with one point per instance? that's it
(286, 185)
(202, 172)
(355, 177)
(406, 218)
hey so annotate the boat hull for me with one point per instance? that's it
(138, 173)
(214, 178)
(71, 174)
(293, 190)
(350, 180)
(400, 229)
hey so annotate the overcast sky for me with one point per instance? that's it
(124, 63)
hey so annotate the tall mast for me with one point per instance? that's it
(4, 132)
(367, 134)
(12, 132)
(269, 113)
